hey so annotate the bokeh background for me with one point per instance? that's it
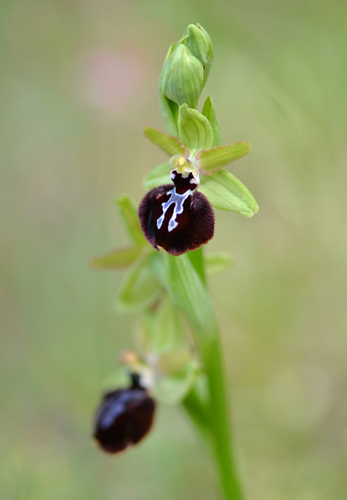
(78, 83)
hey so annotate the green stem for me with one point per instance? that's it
(218, 410)
(185, 284)
(220, 423)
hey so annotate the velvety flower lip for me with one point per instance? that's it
(177, 217)
(124, 417)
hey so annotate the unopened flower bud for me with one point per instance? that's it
(182, 77)
(199, 43)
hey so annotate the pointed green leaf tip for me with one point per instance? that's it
(194, 129)
(225, 192)
(169, 144)
(210, 161)
(182, 77)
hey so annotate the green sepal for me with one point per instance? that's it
(173, 388)
(169, 109)
(218, 263)
(139, 288)
(182, 76)
(158, 176)
(194, 129)
(169, 144)
(131, 221)
(225, 192)
(210, 161)
(117, 259)
(209, 111)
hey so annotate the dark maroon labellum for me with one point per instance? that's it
(177, 218)
(124, 417)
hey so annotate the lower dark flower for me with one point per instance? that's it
(177, 217)
(124, 417)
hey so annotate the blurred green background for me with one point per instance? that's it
(78, 83)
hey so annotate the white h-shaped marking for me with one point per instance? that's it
(178, 200)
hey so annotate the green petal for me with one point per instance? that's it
(210, 161)
(169, 144)
(225, 192)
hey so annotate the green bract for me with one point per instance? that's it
(194, 129)
(209, 111)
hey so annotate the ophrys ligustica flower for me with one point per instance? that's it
(177, 217)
